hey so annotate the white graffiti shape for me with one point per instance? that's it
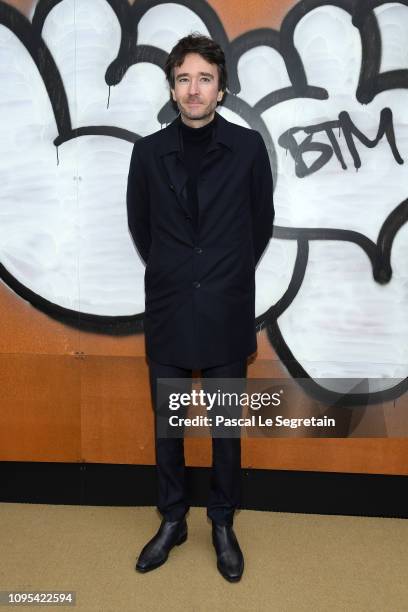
(64, 236)
(342, 186)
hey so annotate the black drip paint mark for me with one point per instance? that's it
(56, 148)
(109, 91)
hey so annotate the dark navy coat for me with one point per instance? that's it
(200, 286)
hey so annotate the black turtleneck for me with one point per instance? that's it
(195, 144)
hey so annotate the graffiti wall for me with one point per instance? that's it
(324, 82)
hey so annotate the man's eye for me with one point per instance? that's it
(205, 79)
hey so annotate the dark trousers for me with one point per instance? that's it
(225, 490)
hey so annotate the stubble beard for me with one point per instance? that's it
(209, 110)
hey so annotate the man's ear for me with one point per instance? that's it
(220, 95)
(173, 94)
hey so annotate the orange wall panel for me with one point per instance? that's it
(40, 411)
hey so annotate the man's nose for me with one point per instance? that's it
(193, 87)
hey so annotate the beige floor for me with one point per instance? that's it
(294, 562)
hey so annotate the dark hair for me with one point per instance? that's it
(204, 46)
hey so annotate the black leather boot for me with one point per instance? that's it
(156, 551)
(230, 560)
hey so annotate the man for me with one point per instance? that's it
(200, 212)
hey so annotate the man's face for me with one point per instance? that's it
(196, 90)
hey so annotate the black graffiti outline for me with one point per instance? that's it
(21, 27)
(31, 39)
(295, 283)
(379, 253)
(30, 35)
(371, 82)
(284, 353)
(321, 393)
(283, 42)
(129, 54)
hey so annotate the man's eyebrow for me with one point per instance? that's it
(207, 74)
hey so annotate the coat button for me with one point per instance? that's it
(172, 187)
(196, 285)
(188, 217)
(198, 250)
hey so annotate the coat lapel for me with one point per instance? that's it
(177, 176)
(216, 163)
(170, 155)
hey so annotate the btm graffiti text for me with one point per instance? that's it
(344, 123)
